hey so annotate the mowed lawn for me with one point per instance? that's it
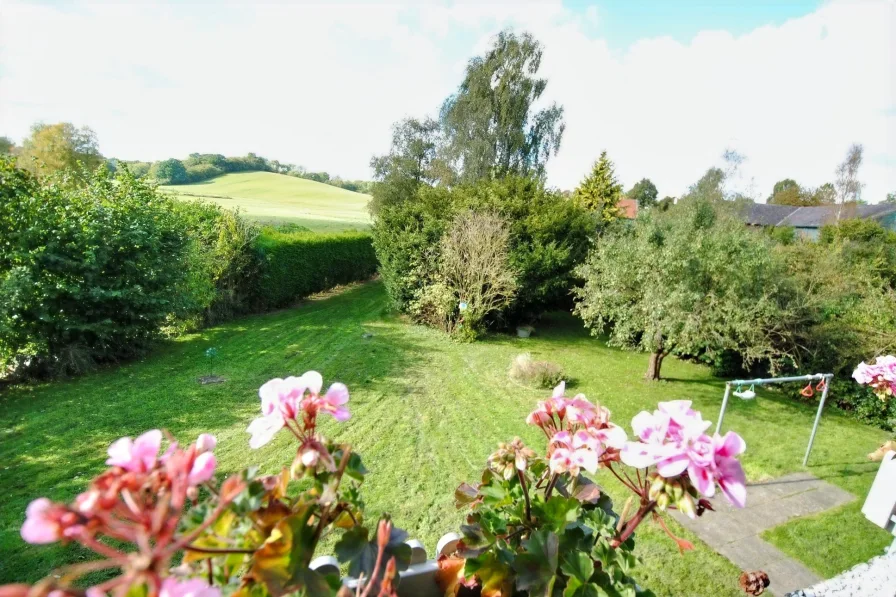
(426, 412)
(277, 198)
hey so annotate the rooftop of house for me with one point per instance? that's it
(762, 214)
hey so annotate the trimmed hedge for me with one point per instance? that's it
(294, 265)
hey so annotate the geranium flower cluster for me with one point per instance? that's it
(580, 433)
(294, 404)
(879, 376)
(141, 496)
(673, 438)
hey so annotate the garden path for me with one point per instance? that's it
(734, 532)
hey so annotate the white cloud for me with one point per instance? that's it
(320, 85)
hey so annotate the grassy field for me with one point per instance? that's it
(426, 414)
(277, 198)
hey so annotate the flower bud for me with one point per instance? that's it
(384, 531)
(687, 506)
(391, 569)
(662, 501)
(675, 490)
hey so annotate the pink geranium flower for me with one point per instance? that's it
(41, 526)
(138, 456)
(569, 454)
(203, 468)
(192, 587)
(206, 443)
(282, 400)
(333, 402)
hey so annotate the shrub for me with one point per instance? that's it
(474, 269)
(863, 404)
(548, 236)
(91, 266)
(844, 310)
(539, 374)
(296, 265)
(224, 262)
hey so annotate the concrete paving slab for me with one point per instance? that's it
(735, 533)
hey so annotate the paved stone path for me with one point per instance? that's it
(734, 532)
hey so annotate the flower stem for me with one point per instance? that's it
(630, 526)
(522, 478)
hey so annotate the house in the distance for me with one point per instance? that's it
(629, 208)
(808, 220)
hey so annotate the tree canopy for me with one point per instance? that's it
(600, 192)
(54, 147)
(489, 124)
(693, 280)
(644, 192)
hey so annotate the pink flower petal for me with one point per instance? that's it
(732, 481)
(206, 442)
(263, 429)
(702, 480)
(313, 381)
(337, 394)
(203, 468)
(729, 446)
(672, 466)
(559, 390)
(38, 527)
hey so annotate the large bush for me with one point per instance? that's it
(294, 265)
(223, 260)
(91, 267)
(549, 236)
(691, 281)
(842, 304)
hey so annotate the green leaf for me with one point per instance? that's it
(365, 559)
(578, 565)
(557, 512)
(536, 568)
(576, 588)
(355, 468)
(351, 544)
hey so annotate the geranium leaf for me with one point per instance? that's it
(465, 495)
(578, 565)
(281, 562)
(535, 568)
(351, 544)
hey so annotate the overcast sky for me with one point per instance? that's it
(664, 87)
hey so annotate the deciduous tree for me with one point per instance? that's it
(55, 147)
(847, 183)
(644, 192)
(490, 125)
(693, 280)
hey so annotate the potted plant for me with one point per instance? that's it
(247, 535)
(538, 526)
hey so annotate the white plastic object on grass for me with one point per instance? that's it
(746, 394)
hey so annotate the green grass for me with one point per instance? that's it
(426, 414)
(277, 198)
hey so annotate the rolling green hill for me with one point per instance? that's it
(277, 198)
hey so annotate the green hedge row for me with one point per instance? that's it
(294, 265)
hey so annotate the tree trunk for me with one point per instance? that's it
(656, 359)
(653, 367)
